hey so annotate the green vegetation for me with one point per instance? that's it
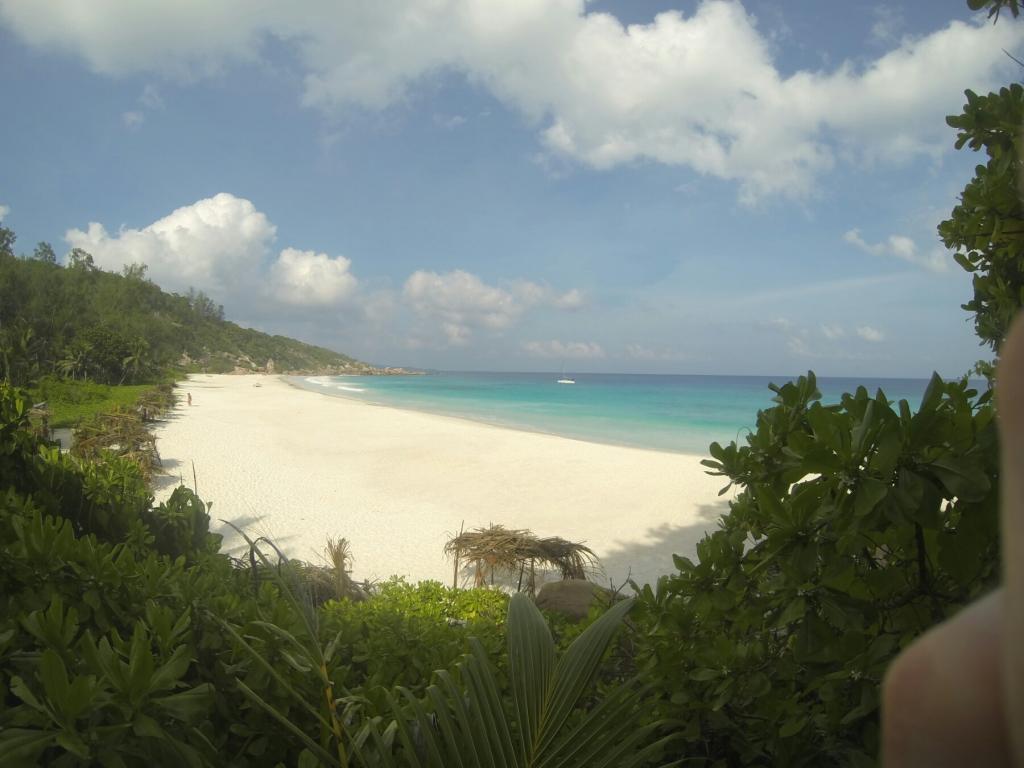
(83, 324)
(71, 402)
(125, 633)
(987, 228)
(859, 526)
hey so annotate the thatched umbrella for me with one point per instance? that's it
(496, 548)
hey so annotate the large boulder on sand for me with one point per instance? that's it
(571, 597)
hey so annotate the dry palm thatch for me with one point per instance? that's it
(497, 549)
(121, 432)
(154, 402)
(40, 421)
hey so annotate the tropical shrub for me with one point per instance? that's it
(859, 526)
(540, 717)
(986, 229)
(405, 632)
(548, 722)
(181, 525)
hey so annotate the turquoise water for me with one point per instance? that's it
(669, 413)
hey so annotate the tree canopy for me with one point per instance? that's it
(81, 322)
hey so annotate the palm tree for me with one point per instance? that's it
(136, 362)
(73, 363)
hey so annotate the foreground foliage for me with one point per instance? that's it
(858, 527)
(986, 229)
(125, 634)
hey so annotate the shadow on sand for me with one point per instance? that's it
(645, 562)
(255, 527)
(171, 475)
(640, 562)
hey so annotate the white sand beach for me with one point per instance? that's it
(299, 466)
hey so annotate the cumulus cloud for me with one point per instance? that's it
(868, 333)
(536, 294)
(460, 302)
(832, 332)
(214, 243)
(5, 211)
(572, 350)
(222, 245)
(701, 91)
(901, 247)
(309, 278)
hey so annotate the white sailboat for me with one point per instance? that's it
(565, 379)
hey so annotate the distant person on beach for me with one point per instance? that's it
(190, 398)
(955, 697)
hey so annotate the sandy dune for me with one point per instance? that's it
(300, 466)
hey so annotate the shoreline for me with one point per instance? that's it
(483, 422)
(281, 460)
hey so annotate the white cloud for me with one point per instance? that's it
(5, 211)
(214, 244)
(700, 91)
(901, 247)
(309, 278)
(460, 302)
(535, 294)
(571, 299)
(797, 346)
(133, 120)
(868, 333)
(572, 350)
(802, 342)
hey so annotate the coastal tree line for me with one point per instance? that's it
(79, 322)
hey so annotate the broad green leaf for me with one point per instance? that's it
(576, 670)
(531, 658)
(188, 705)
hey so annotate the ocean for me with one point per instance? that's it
(684, 414)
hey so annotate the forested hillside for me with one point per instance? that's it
(80, 322)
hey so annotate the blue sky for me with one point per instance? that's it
(466, 184)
